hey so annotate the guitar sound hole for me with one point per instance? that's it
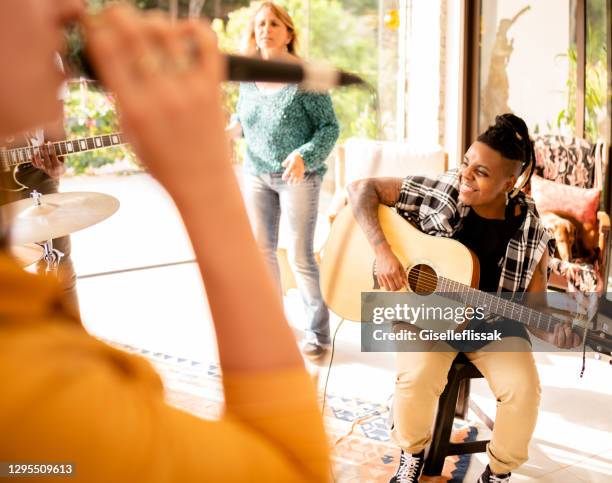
(422, 279)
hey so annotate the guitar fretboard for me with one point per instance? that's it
(16, 156)
(495, 304)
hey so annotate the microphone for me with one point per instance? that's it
(310, 76)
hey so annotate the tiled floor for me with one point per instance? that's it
(162, 309)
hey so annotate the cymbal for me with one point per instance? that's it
(57, 215)
(26, 255)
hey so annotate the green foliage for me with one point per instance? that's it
(360, 7)
(89, 112)
(596, 72)
(595, 98)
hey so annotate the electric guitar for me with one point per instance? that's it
(11, 158)
(434, 265)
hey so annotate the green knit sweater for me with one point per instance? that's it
(276, 124)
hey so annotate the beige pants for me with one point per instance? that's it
(509, 368)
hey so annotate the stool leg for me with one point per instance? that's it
(463, 399)
(442, 429)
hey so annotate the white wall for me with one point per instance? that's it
(453, 88)
(423, 98)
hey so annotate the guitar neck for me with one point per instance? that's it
(16, 156)
(496, 305)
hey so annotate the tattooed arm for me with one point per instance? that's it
(365, 195)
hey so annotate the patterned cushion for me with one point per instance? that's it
(566, 160)
(581, 277)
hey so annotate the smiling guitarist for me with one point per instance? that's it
(481, 206)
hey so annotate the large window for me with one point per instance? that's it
(597, 71)
(344, 33)
(360, 36)
(538, 61)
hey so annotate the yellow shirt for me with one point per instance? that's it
(67, 397)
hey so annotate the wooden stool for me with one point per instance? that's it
(454, 402)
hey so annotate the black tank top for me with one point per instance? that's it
(489, 239)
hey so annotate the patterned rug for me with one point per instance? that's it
(358, 429)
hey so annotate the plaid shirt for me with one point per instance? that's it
(433, 205)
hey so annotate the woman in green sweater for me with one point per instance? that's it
(289, 134)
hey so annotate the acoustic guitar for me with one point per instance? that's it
(434, 265)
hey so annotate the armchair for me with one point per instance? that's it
(581, 167)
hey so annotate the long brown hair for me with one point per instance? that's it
(250, 46)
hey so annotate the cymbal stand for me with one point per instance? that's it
(52, 256)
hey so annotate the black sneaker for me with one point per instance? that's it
(410, 468)
(489, 477)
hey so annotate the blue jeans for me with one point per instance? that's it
(266, 196)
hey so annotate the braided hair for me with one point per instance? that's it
(510, 137)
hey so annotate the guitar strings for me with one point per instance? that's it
(30, 150)
(416, 275)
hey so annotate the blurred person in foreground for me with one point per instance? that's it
(68, 397)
